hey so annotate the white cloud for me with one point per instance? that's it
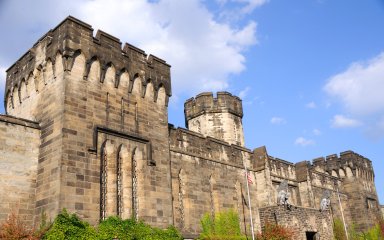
(340, 121)
(360, 87)
(316, 132)
(311, 105)
(301, 141)
(202, 49)
(236, 9)
(243, 93)
(277, 120)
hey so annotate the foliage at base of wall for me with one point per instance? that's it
(223, 226)
(275, 232)
(374, 233)
(14, 228)
(70, 227)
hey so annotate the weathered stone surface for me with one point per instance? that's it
(19, 148)
(97, 142)
(303, 221)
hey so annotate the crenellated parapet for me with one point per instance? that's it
(348, 164)
(206, 103)
(72, 38)
(219, 117)
(184, 141)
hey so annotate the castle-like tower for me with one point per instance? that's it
(87, 129)
(219, 117)
(97, 106)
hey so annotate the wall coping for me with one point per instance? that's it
(19, 121)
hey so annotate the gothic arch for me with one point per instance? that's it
(108, 177)
(48, 72)
(161, 96)
(137, 164)
(149, 92)
(348, 172)
(59, 67)
(23, 90)
(94, 70)
(341, 173)
(78, 67)
(181, 196)
(39, 82)
(137, 87)
(16, 96)
(124, 182)
(9, 103)
(124, 79)
(110, 77)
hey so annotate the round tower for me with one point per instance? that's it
(219, 117)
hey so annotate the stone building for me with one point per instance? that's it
(382, 210)
(86, 129)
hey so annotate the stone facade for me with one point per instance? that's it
(306, 223)
(19, 147)
(87, 130)
(382, 210)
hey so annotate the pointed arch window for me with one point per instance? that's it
(181, 199)
(135, 201)
(103, 186)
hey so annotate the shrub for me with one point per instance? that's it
(115, 227)
(275, 232)
(69, 226)
(373, 233)
(225, 226)
(14, 228)
(338, 230)
(352, 233)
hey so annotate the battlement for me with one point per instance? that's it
(73, 37)
(348, 163)
(206, 103)
(188, 142)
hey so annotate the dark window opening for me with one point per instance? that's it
(311, 235)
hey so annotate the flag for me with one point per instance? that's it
(249, 178)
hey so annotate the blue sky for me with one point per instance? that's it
(310, 72)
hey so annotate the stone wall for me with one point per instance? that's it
(19, 148)
(74, 84)
(103, 146)
(208, 177)
(300, 220)
(219, 117)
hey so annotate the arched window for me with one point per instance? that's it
(108, 176)
(181, 198)
(103, 185)
(135, 201)
(211, 194)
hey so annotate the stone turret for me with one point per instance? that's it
(357, 181)
(219, 117)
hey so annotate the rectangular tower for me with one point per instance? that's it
(104, 124)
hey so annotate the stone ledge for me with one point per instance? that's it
(19, 121)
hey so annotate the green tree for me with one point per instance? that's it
(224, 226)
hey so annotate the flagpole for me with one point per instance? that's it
(342, 214)
(249, 201)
